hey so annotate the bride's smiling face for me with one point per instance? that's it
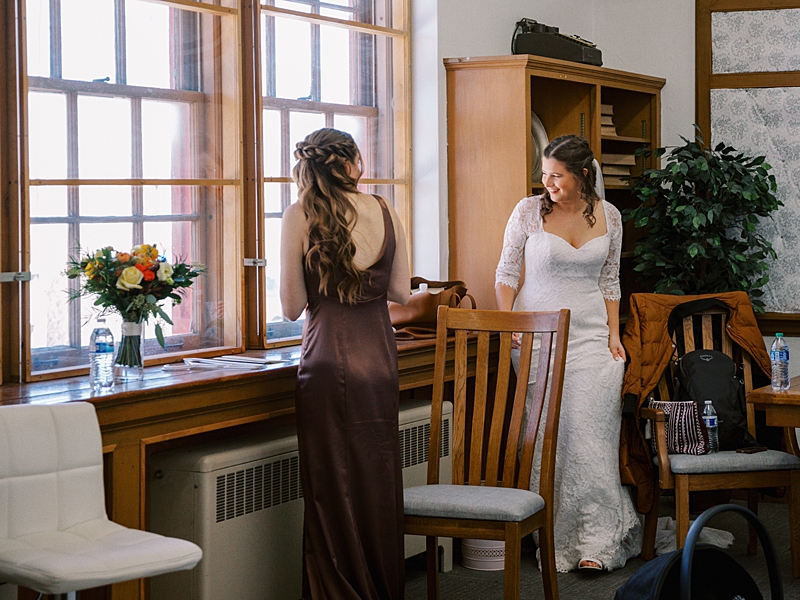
(559, 182)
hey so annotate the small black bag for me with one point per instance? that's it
(703, 375)
(703, 572)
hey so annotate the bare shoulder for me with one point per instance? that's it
(294, 216)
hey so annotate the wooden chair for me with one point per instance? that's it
(493, 451)
(725, 470)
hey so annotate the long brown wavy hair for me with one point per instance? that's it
(576, 155)
(324, 182)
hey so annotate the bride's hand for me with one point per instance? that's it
(515, 340)
(617, 349)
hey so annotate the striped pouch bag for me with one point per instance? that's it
(686, 433)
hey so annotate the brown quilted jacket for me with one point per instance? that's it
(649, 349)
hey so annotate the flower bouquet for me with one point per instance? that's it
(132, 284)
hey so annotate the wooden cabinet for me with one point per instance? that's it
(491, 150)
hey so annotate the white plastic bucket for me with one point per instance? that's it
(483, 555)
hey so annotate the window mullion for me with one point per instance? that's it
(137, 192)
(316, 60)
(120, 46)
(55, 39)
(73, 210)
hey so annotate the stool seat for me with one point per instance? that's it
(55, 536)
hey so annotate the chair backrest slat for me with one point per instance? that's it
(479, 408)
(459, 407)
(440, 361)
(688, 335)
(708, 333)
(518, 409)
(499, 411)
(500, 436)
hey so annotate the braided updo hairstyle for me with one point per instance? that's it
(324, 181)
(576, 155)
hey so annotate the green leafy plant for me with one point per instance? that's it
(698, 216)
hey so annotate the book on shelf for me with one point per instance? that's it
(608, 130)
(619, 159)
(614, 180)
(606, 109)
(620, 170)
(606, 120)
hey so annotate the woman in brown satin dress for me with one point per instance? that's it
(343, 254)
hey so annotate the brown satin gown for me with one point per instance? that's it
(347, 430)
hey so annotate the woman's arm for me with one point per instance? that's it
(505, 296)
(294, 296)
(400, 281)
(614, 343)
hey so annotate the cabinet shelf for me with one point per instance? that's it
(624, 138)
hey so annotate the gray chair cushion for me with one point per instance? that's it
(731, 462)
(471, 502)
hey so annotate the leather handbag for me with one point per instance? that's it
(417, 318)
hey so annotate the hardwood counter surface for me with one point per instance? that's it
(171, 408)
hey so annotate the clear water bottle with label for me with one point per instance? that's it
(779, 357)
(101, 357)
(710, 420)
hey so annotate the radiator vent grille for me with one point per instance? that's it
(250, 490)
(414, 443)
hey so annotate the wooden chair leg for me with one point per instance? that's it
(752, 504)
(650, 527)
(681, 509)
(432, 560)
(547, 556)
(513, 562)
(794, 522)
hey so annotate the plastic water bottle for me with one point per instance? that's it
(101, 357)
(710, 420)
(779, 357)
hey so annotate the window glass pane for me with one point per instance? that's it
(87, 40)
(293, 59)
(167, 200)
(147, 37)
(37, 36)
(104, 137)
(274, 197)
(165, 151)
(378, 12)
(301, 124)
(48, 201)
(47, 135)
(102, 200)
(271, 124)
(296, 6)
(335, 63)
(48, 287)
(99, 235)
(355, 126)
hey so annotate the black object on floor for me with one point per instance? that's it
(703, 572)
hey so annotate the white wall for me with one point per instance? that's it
(644, 36)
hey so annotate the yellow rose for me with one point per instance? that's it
(164, 272)
(129, 279)
(90, 268)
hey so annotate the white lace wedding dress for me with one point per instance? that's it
(594, 516)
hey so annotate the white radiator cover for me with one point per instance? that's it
(241, 501)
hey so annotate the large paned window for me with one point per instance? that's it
(173, 122)
(335, 63)
(133, 137)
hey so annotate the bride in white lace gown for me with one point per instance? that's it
(571, 256)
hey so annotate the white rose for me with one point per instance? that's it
(164, 272)
(129, 279)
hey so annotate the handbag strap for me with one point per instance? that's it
(415, 281)
(775, 583)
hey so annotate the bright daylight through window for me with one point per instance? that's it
(173, 122)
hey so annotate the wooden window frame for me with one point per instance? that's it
(706, 80)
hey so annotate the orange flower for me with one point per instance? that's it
(123, 257)
(148, 275)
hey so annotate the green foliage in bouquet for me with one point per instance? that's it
(698, 216)
(132, 283)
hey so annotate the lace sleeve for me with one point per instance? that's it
(510, 265)
(609, 274)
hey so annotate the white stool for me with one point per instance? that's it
(55, 536)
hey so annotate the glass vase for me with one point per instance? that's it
(128, 365)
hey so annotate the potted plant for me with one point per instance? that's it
(698, 218)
